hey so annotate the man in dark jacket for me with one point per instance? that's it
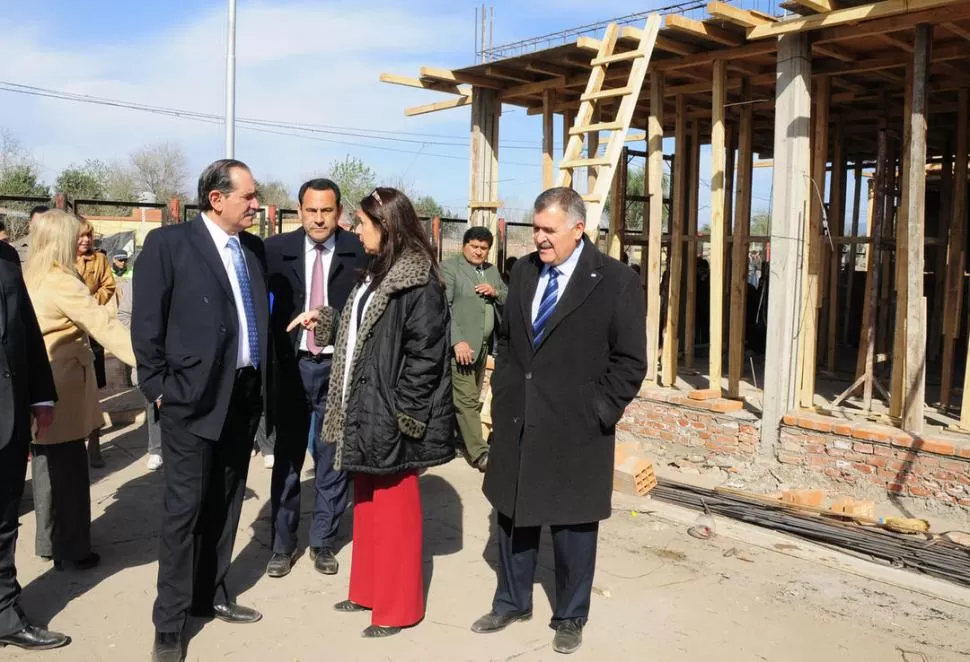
(316, 265)
(26, 395)
(572, 355)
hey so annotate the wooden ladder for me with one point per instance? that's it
(592, 99)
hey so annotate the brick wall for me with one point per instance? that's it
(666, 424)
(872, 457)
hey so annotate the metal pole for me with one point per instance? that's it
(231, 83)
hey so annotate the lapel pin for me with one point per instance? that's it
(592, 275)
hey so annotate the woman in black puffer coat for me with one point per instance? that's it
(389, 407)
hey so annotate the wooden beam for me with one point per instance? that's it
(833, 51)
(548, 169)
(957, 30)
(935, 339)
(688, 61)
(673, 46)
(440, 105)
(568, 120)
(867, 12)
(718, 165)
(679, 23)
(449, 76)
(654, 220)
(895, 23)
(817, 6)
(739, 247)
(853, 248)
(693, 189)
(915, 373)
(483, 187)
(407, 81)
(898, 378)
(676, 250)
(839, 179)
(618, 209)
(808, 336)
(737, 16)
(955, 256)
(592, 148)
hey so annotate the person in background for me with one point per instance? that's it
(476, 295)
(573, 355)
(27, 398)
(311, 267)
(119, 265)
(68, 315)
(4, 237)
(95, 271)
(389, 406)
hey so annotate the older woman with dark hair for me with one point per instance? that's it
(389, 407)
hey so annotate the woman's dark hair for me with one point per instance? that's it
(401, 231)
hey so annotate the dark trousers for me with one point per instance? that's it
(264, 442)
(300, 409)
(13, 466)
(574, 552)
(62, 500)
(205, 482)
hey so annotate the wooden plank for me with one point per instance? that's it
(718, 165)
(836, 223)
(616, 57)
(449, 76)
(957, 30)
(737, 16)
(837, 52)
(817, 6)
(408, 81)
(955, 257)
(568, 120)
(548, 166)
(592, 148)
(693, 189)
(739, 247)
(915, 373)
(935, 340)
(706, 31)
(676, 250)
(618, 208)
(867, 12)
(808, 335)
(655, 171)
(853, 247)
(898, 379)
(730, 141)
(594, 128)
(606, 94)
(584, 163)
(688, 61)
(896, 23)
(439, 105)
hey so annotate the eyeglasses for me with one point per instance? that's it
(377, 197)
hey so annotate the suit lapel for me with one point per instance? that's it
(340, 251)
(527, 290)
(584, 280)
(296, 256)
(206, 248)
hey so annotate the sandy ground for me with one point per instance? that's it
(660, 594)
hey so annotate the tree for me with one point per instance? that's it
(80, 182)
(22, 180)
(635, 186)
(160, 170)
(761, 224)
(355, 180)
(427, 206)
(275, 193)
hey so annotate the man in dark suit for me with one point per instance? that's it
(313, 266)
(199, 329)
(26, 396)
(572, 356)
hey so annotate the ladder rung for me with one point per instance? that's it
(605, 94)
(594, 128)
(616, 57)
(638, 198)
(584, 163)
(592, 198)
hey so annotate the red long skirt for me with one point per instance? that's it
(386, 572)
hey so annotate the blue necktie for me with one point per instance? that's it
(546, 306)
(242, 275)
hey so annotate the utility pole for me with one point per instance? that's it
(231, 83)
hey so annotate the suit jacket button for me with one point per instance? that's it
(222, 329)
(205, 299)
(528, 375)
(6, 374)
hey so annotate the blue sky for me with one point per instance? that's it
(313, 62)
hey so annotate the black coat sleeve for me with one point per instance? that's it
(628, 350)
(425, 347)
(152, 287)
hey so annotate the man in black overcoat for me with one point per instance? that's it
(26, 396)
(572, 355)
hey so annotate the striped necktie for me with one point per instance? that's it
(245, 289)
(546, 306)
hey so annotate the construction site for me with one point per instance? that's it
(850, 368)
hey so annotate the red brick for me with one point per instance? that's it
(698, 425)
(816, 461)
(935, 446)
(790, 419)
(787, 458)
(844, 428)
(871, 432)
(963, 502)
(919, 491)
(904, 441)
(815, 422)
(884, 451)
(964, 452)
(877, 461)
(861, 447)
(955, 466)
(803, 497)
(896, 487)
(945, 476)
(864, 468)
(818, 449)
(854, 457)
(747, 429)
(832, 472)
(705, 394)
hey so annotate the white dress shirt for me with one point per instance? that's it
(309, 256)
(566, 270)
(221, 239)
(351, 309)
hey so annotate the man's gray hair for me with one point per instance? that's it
(566, 199)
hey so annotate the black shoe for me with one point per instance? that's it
(88, 562)
(280, 564)
(233, 613)
(482, 462)
(569, 637)
(350, 606)
(324, 561)
(168, 647)
(379, 631)
(35, 639)
(492, 622)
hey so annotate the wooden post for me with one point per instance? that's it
(483, 190)
(502, 242)
(676, 249)
(789, 212)
(955, 256)
(693, 188)
(853, 247)
(655, 172)
(718, 165)
(836, 223)
(739, 257)
(880, 216)
(618, 206)
(730, 142)
(175, 211)
(914, 382)
(934, 342)
(808, 335)
(568, 118)
(592, 146)
(436, 235)
(548, 170)
(897, 395)
(60, 201)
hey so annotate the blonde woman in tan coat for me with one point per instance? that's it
(67, 314)
(95, 271)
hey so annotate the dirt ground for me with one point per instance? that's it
(746, 595)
